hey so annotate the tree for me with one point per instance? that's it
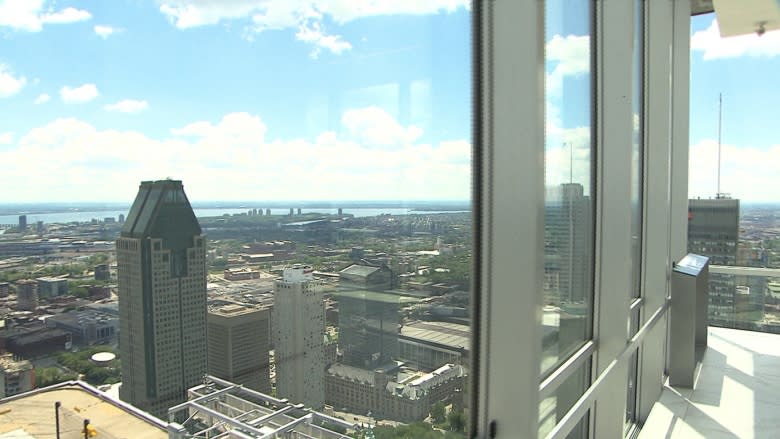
(456, 420)
(46, 376)
(438, 412)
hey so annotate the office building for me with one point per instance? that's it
(16, 376)
(22, 223)
(26, 295)
(368, 327)
(713, 231)
(299, 330)
(238, 344)
(49, 287)
(161, 271)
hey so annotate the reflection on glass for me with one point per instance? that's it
(568, 252)
(554, 407)
(637, 146)
(633, 366)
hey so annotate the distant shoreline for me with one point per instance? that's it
(419, 206)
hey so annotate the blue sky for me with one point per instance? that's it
(315, 99)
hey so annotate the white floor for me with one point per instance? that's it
(736, 395)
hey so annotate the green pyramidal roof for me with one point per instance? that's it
(161, 210)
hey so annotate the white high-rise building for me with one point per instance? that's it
(298, 327)
(161, 269)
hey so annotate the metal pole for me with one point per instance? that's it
(720, 122)
(57, 418)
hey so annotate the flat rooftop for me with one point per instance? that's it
(443, 333)
(31, 414)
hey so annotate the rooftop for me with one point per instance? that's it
(31, 414)
(375, 296)
(444, 333)
(9, 364)
(359, 270)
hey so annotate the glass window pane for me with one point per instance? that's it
(553, 408)
(568, 248)
(325, 148)
(637, 147)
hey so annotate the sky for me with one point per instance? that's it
(240, 99)
(317, 100)
(745, 69)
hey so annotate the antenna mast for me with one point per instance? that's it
(719, 194)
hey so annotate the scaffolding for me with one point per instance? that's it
(221, 409)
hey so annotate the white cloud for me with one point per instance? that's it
(571, 57)
(31, 15)
(304, 16)
(10, 84)
(312, 33)
(128, 106)
(233, 159)
(374, 127)
(67, 15)
(710, 43)
(79, 95)
(42, 99)
(747, 173)
(104, 31)
(280, 14)
(6, 138)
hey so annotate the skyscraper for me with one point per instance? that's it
(713, 231)
(238, 345)
(568, 230)
(161, 270)
(298, 328)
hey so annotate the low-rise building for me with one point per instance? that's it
(428, 345)
(87, 327)
(35, 342)
(388, 393)
(244, 273)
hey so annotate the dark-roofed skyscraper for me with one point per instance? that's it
(161, 269)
